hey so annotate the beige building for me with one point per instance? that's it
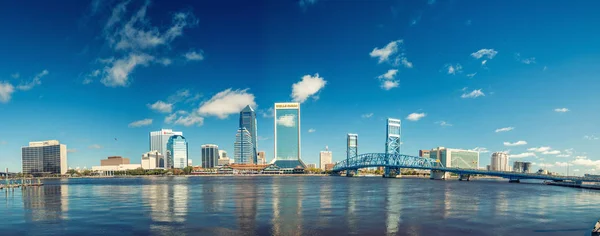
(325, 157)
(261, 158)
(114, 161)
(329, 166)
(424, 153)
(151, 160)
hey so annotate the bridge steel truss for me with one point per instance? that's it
(397, 161)
(392, 145)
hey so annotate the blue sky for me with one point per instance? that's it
(487, 75)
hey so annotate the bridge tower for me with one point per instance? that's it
(351, 152)
(392, 146)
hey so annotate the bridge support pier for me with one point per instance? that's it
(514, 180)
(464, 177)
(351, 173)
(391, 172)
(437, 174)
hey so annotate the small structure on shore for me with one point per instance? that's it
(596, 230)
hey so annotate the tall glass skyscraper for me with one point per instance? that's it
(177, 152)
(248, 121)
(243, 149)
(210, 155)
(158, 142)
(287, 136)
(49, 157)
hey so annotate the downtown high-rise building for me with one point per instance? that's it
(44, 157)
(262, 158)
(151, 160)
(158, 142)
(325, 157)
(210, 155)
(287, 136)
(177, 152)
(499, 161)
(248, 121)
(243, 150)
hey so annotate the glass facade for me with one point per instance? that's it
(44, 159)
(248, 121)
(287, 135)
(158, 142)
(177, 152)
(243, 149)
(210, 155)
(464, 159)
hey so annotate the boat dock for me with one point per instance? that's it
(22, 183)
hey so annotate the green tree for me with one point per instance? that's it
(188, 170)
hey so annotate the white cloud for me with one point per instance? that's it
(194, 56)
(553, 152)
(268, 113)
(471, 75)
(95, 146)
(453, 69)
(523, 155)
(481, 150)
(527, 61)
(505, 129)
(140, 123)
(473, 94)
(6, 91)
(116, 74)
(287, 120)
(561, 110)
(15, 75)
(170, 118)
(161, 106)
(587, 162)
(308, 86)
(545, 165)
(36, 81)
(483, 62)
(517, 143)
(561, 164)
(227, 102)
(489, 53)
(581, 157)
(305, 3)
(406, 63)
(165, 61)
(390, 74)
(590, 137)
(443, 123)
(539, 149)
(312, 130)
(389, 84)
(563, 155)
(384, 53)
(368, 115)
(415, 116)
(72, 150)
(189, 120)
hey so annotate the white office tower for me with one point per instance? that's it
(325, 158)
(500, 161)
(151, 160)
(158, 142)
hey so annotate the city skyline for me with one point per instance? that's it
(455, 78)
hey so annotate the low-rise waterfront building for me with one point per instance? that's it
(325, 157)
(109, 170)
(311, 165)
(261, 157)
(223, 161)
(151, 160)
(114, 161)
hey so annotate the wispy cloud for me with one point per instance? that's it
(473, 94)
(15, 75)
(288, 120)
(527, 61)
(36, 81)
(312, 130)
(268, 113)
(161, 106)
(552, 152)
(194, 56)
(505, 129)
(471, 75)
(389, 84)
(522, 155)
(487, 53)
(453, 69)
(140, 123)
(561, 110)
(368, 115)
(388, 80)
(480, 150)
(6, 91)
(443, 123)
(71, 150)
(95, 146)
(415, 116)
(227, 102)
(590, 137)
(392, 53)
(517, 143)
(539, 149)
(308, 86)
(190, 119)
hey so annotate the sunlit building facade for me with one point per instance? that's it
(248, 121)
(158, 142)
(177, 152)
(44, 157)
(456, 158)
(210, 155)
(243, 149)
(499, 161)
(287, 136)
(325, 157)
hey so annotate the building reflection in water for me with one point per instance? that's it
(351, 213)
(168, 204)
(46, 203)
(394, 206)
(287, 208)
(245, 197)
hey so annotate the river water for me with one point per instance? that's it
(295, 205)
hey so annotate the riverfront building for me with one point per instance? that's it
(248, 121)
(456, 158)
(423, 153)
(325, 158)
(499, 161)
(150, 160)
(44, 157)
(521, 167)
(243, 150)
(311, 166)
(210, 155)
(114, 161)
(158, 142)
(287, 136)
(177, 152)
(262, 159)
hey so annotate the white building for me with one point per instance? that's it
(151, 160)
(44, 157)
(109, 170)
(499, 162)
(223, 161)
(158, 142)
(456, 158)
(325, 157)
